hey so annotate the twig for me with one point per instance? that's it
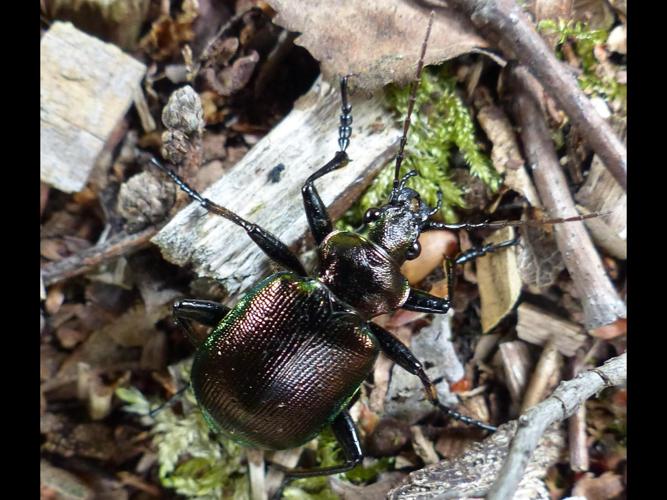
(546, 368)
(472, 473)
(576, 426)
(561, 404)
(117, 246)
(600, 301)
(503, 22)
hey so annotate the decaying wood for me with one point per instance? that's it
(505, 155)
(600, 301)
(601, 193)
(86, 86)
(546, 370)
(256, 472)
(577, 437)
(538, 327)
(303, 142)
(517, 364)
(499, 280)
(472, 473)
(505, 23)
(75, 265)
(561, 404)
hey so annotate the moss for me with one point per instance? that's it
(441, 125)
(190, 461)
(593, 79)
(198, 465)
(329, 454)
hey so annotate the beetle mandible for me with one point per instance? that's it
(289, 358)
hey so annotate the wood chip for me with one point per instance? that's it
(537, 327)
(86, 87)
(517, 364)
(499, 281)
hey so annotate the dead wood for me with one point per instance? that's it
(81, 263)
(504, 23)
(303, 142)
(600, 301)
(564, 401)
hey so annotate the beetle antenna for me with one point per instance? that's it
(411, 103)
(499, 224)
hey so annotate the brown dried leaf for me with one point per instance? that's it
(378, 41)
(56, 483)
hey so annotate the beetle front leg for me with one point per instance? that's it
(395, 350)
(316, 212)
(425, 302)
(476, 252)
(206, 312)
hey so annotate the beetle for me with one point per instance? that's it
(289, 357)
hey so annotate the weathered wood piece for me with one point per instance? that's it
(499, 280)
(472, 473)
(517, 365)
(599, 298)
(537, 327)
(86, 86)
(303, 142)
(533, 424)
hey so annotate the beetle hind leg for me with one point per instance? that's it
(347, 436)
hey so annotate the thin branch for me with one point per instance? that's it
(80, 263)
(600, 301)
(561, 404)
(504, 23)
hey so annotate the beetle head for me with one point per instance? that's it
(396, 226)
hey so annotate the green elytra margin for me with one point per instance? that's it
(441, 124)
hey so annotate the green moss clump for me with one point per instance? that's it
(191, 462)
(441, 124)
(592, 80)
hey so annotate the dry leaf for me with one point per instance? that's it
(378, 41)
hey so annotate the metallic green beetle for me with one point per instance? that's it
(288, 359)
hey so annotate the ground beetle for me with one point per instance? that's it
(289, 358)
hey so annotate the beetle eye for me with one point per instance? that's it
(413, 252)
(371, 215)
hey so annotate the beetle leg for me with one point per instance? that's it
(395, 350)
(425, 302)
(269, 244)
(206, 312)
(347, 435)
(421, 301)
(175, 397)
(475, 252)
(316, 212)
